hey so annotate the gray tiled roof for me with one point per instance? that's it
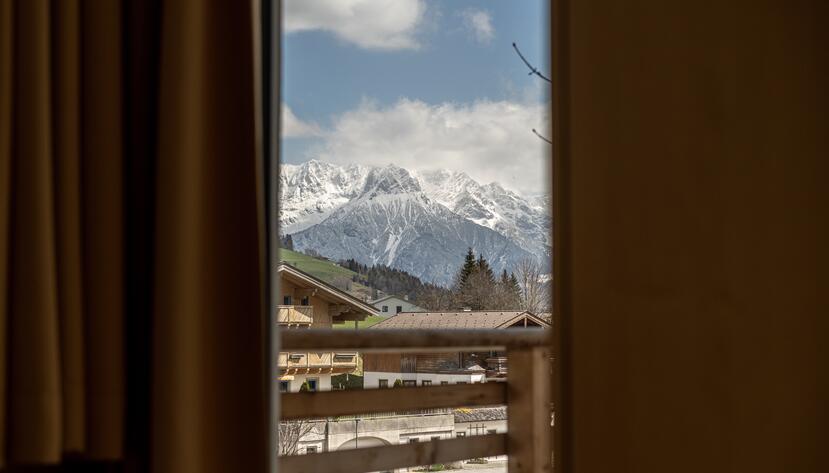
(480, 414)
(458, 320)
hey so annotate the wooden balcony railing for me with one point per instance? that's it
(528, 442)
(295, 315)
(309, 360)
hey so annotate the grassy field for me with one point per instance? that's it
(360, 325)
(325, 270)
(328, 271)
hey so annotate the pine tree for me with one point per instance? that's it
(469, 267)
(483, 267)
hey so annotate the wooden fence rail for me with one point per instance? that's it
(526, 394)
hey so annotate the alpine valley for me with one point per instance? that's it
(419, 222)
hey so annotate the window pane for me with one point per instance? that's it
(414, 194)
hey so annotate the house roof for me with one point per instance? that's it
(328, 291)
(457, 320)
(480, 414)
(390, 296)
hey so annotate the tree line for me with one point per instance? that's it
(476, 287)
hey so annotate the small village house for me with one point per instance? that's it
(309, 302)
(391, 305)
(382, 370)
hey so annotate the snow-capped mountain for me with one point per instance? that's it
(311, 191)
(418, 222)
(490, 205)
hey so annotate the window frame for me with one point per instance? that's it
(270, 13)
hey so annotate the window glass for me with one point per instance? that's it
(413, 175)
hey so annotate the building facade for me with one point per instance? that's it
(308, 302)
(382, 370)
(391, 305)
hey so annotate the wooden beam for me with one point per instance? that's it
(342, 403)
(395, 456)
(528, 410)
(401, 340)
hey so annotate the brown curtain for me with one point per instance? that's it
(131, 236)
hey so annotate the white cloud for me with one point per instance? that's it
(293, 127)
(490, 141)
(479, 24)
(371, 24)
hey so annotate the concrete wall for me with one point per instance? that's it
(372, 379)
(480, 427)
(376, 431)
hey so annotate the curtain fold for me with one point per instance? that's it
(131, 236)
(209, 391)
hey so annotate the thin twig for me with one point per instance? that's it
(533, 70)
(538, 135)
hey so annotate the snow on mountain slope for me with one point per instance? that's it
(398, 213)
(494, 207)
(311, 191)
(393, 222)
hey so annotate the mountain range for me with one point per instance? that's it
(421, 222)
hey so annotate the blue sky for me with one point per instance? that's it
(419, 83)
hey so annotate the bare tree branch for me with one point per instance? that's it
(539, 135)
(533, 70)
(291, 432)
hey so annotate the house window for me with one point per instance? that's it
(384, 383)
(286, 300)
(444, 382)
(461, 382)
(491, 431)
(313, 384)
(385, 308)
(413, 440)
(426, 382)
(399, 309)
(310, 449)
(436, 437)
(284, 386)
(304, 301)
(409, 382)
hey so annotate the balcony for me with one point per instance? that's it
(330, 360)
(298, 315)
(526, 393)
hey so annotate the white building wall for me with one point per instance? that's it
(391, 306)
(371, 379)
(480, 427)
(296, 383)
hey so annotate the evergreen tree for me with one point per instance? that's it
(469, 267)
(484, 269)
(289, 242)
